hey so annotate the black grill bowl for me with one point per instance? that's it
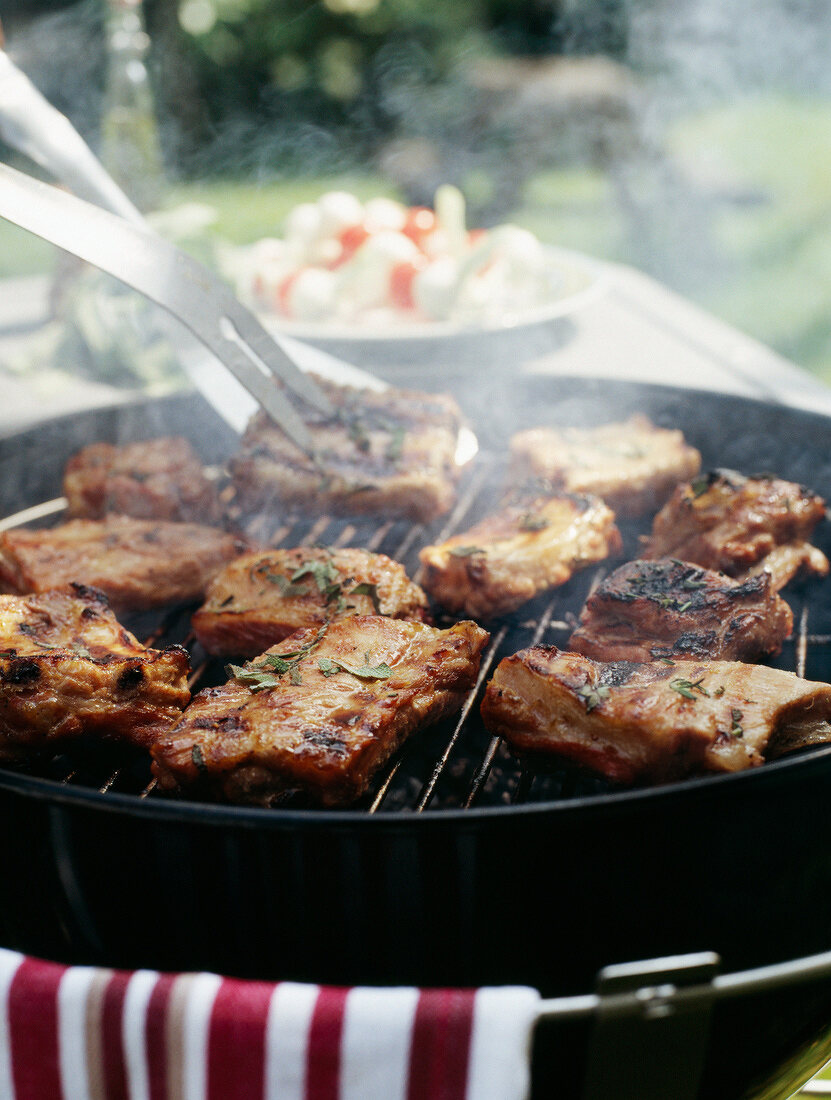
(544, 893)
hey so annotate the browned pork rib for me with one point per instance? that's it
(68, 669)
(391, 453)
(322, 711)
(154, 479)
(738, 524)
(138, 563)
(650, 723)
(668, 608)
(517, 553)
(632, 465)
(261, 598)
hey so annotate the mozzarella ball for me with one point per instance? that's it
(303, 223)
(365, 280)
(311, 295)
(387, 248)
(381, 214)
(434, 288)
(519, 247)
(338, 210)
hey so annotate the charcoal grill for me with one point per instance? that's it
(463, 865)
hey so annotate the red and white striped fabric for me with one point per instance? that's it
(83, 1033)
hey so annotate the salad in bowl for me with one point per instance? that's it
(383, 267)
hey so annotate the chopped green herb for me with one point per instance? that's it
(198, 759)
(736, 716)
(690, 584)
(667, 661)
(324, 573)
(466, 551)
(396, 444)
(76, 647)
(717, 694)
(327, 581)
(671, 603)
(287, 587)
(255, 679)
(261, 677)
(261, 570)
(593, 696)
(531, 522)
(277, 662)
(700, 486)
(688, 687)
(367, 589)
(358, 435)
(330, 667)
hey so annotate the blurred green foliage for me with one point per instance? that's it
(280, 84)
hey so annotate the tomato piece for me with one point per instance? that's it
(282, 295)
(351, 240)
(420, 223)
(401, 283)
(474, 236)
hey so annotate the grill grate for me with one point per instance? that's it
(456, 763)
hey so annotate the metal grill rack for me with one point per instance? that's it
(455, 764)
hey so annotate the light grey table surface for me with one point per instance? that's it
(629, 327)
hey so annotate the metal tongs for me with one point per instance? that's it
(133, 253)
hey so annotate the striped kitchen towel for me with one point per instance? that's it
(85, 1033)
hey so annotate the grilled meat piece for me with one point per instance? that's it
(650, 723)
(138, 563)
(517, 553)
(738, 524)
(646, 610)
(322, 711)
(783, 563)
(68, 669)
(261, 598)
(391, 453)
(632, 465)
(155, 479)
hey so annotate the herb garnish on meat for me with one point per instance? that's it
(367, 589)
(593, 696)
(688, 687)
(326, 579)
(329, 667)
(529, 521)
(266, 674)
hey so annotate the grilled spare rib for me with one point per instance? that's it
(526, 548)
(646, 610)
(632, 465)
(650, 723)
(391, 453)
(138, 563)
(736, 524)
(322, 711)
(68, 669)
(259, 599)
(154, 479)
